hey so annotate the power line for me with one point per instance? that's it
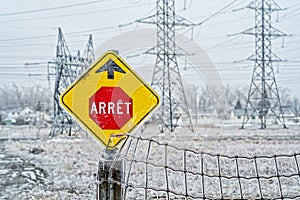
(76, 14)
(107, 28)
(21, 74)
(27, 38)
(290, 14)
(217, 13)
(52, 8)
(70, 33)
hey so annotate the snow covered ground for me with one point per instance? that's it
(241, 162)
(33, 166)
(67, 165)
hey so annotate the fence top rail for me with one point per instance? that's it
(150, 140)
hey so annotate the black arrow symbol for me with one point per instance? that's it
(110, 66)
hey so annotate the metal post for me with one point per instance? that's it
(110, 173)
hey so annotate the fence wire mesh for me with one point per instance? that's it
(155, 170)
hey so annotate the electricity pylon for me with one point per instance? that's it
(263, 97)
(166, 79)
(67, 69)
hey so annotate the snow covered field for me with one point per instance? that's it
(69, 165)
(34, 166)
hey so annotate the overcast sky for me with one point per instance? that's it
(29, 35)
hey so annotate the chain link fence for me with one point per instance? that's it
(156, 170)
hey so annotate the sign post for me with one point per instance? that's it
(109, 100)
(109, 169)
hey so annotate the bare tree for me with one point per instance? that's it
(295, 105)
(211, 99)
(285, 96)
(14, 96)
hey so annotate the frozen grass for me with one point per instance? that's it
(70, 163)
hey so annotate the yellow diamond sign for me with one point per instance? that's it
(109, 99)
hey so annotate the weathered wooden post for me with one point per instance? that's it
(109, 177)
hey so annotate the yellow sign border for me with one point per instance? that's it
(84, 74)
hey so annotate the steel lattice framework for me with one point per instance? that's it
(263, 98)
(166, 79)
(67, 69)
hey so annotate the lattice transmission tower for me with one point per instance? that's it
(166, 79)
(263, 97)
(67, 68)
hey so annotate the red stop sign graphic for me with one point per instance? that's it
(110, 108)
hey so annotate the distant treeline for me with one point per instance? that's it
(199, 99)
(208, 99)
(13, 96)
